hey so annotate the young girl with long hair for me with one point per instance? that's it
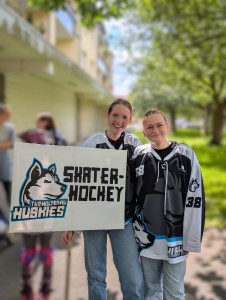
(123, 242)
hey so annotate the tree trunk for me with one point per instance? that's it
(217, 123)
(172, 113)
(207, 113)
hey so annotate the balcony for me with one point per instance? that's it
(65, 24)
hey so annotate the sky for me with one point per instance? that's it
(122, 79)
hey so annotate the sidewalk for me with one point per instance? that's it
(10, 273)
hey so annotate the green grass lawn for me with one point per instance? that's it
(213, 164)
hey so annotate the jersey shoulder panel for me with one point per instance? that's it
(185, 150)
(141, 150)
(94, 140)
(132, 139)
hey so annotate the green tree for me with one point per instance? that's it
(192, 34)
(158, 85)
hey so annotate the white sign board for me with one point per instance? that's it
(59, 188)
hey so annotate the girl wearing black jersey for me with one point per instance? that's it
(169, 217)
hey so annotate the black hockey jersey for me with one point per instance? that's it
(130, 142)
(169, 217)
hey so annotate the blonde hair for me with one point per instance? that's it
(155, 111)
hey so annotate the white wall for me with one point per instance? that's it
(27, 95)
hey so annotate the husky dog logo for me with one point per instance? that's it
(41, 184)
(144, 238)
(193, 185)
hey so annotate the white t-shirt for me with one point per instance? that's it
(6, 132)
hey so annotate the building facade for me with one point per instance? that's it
(50, 62)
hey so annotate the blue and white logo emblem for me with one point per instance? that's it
(40, 194)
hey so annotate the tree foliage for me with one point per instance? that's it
(192, 34)
(92, 11)
(47, 5)
(159, 85)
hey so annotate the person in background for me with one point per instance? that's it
(46, 122)
(40, 244)
(45, 132)
(170, 213)
(7, 138)
(123, 242)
